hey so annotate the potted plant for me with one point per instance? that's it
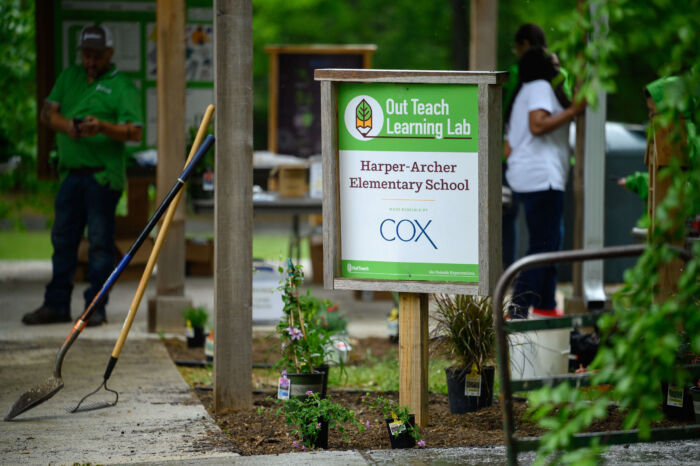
(329, 319)
(465, 334)
(313, 416)
(195, 318)
(678, 402)
(304, 343)
(400, 424)
(695, 394)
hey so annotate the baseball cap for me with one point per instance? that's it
(96, 38)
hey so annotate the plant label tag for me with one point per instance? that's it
(283, 388)
(396, 428)
(674, 396)
(472, 382)
(189, 331)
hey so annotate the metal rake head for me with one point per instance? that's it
(97, 404)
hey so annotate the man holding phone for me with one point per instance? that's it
(94, 110)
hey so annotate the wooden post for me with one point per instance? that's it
(413, 354)
(170, 282)
(233, 205)
(483, 32)
(273, 96)
(44, 26)
(661, 149)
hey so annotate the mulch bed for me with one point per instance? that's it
(260, 432)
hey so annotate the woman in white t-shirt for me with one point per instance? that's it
(537, 148)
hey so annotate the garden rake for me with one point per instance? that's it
(145, 278)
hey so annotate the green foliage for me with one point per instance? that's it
(648, 336)
(464, 330)
(408, 35)
(304, 342)
(391, 409)
(18, 115)
(307, 413)
(330, 318)
(17, 70)
(196, 316)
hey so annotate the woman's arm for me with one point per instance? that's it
(542, 122)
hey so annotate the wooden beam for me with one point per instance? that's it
(233, 205)
(413, 354)
(170, 281)
(273, 97)
(483, 35)
(45, 76)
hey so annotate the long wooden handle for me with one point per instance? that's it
(162, 232)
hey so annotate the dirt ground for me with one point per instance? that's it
(260, 432)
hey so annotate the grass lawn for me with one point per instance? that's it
(36, 245)
(27, 245)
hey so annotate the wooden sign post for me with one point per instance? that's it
(411, 194)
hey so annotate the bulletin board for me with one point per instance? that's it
(294, 117)
(133, 25)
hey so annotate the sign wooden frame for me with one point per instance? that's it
(489, 177)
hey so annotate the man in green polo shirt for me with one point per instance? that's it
(94, 110)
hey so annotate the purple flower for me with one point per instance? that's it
(295, 444)
(367, 424)
(318, 426)
(303, 447)
(309, 392)
(294, 333)
(421, 443)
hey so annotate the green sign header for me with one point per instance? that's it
(415, 117)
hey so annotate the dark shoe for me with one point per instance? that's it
(96, 319)
(44, 315)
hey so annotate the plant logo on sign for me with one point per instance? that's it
(364, 118)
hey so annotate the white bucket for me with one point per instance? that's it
(543, 353)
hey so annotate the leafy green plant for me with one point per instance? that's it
(329, 317)
(307, 413)
(391, 409)
(196, 316)
(464, 332)
(643, 335)
(304, 343)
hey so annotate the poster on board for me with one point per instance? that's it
(408, 181)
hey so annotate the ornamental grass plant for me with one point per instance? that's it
(464, 332)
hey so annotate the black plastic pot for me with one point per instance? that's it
(695, 394)
(320, 440)
(461, 403)
(324, 368)
(196, 341)
(678, 413)
(304, 382)
(403, 439)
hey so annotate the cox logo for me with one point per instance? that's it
(405, 230)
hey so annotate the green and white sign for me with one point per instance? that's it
(408, 181)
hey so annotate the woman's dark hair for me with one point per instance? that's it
(536, 63)
(531, 33)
